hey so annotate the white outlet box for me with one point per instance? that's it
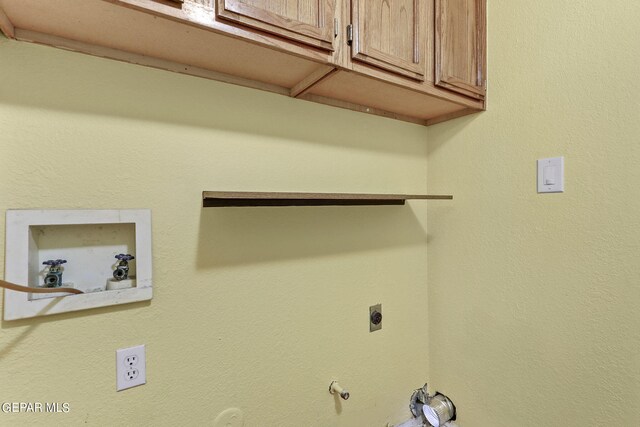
(88, 239)
(131, 367)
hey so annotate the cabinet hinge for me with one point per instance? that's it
(335, 27)
(349, 34)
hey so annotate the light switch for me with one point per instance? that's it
(551, 175)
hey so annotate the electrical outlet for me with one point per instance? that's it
(375, 317)
(131, 367)
(131, 360)
(131, 374)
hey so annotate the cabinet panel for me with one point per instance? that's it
(390, 34)
(305, 21)
(460, 46)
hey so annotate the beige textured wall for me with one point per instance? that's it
(253, 308)
(534, 300)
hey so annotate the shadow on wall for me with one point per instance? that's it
(90, 85)
(30, 325)
(232, 236)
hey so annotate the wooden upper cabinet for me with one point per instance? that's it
(460, 46)
(390, 34)
(383, 64)
(306, 21)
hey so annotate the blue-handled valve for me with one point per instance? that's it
(122, 268)
(53, 278)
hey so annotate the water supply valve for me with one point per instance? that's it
(53, 278)
(122, 268)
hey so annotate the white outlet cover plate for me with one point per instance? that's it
(131, 367)
(551, 175)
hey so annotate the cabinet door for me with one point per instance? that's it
(305, 21)
(460, 46)
(390, 34)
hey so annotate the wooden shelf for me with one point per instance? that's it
(215, 199)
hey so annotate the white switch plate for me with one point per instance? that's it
(131, 367)
(551, 175)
